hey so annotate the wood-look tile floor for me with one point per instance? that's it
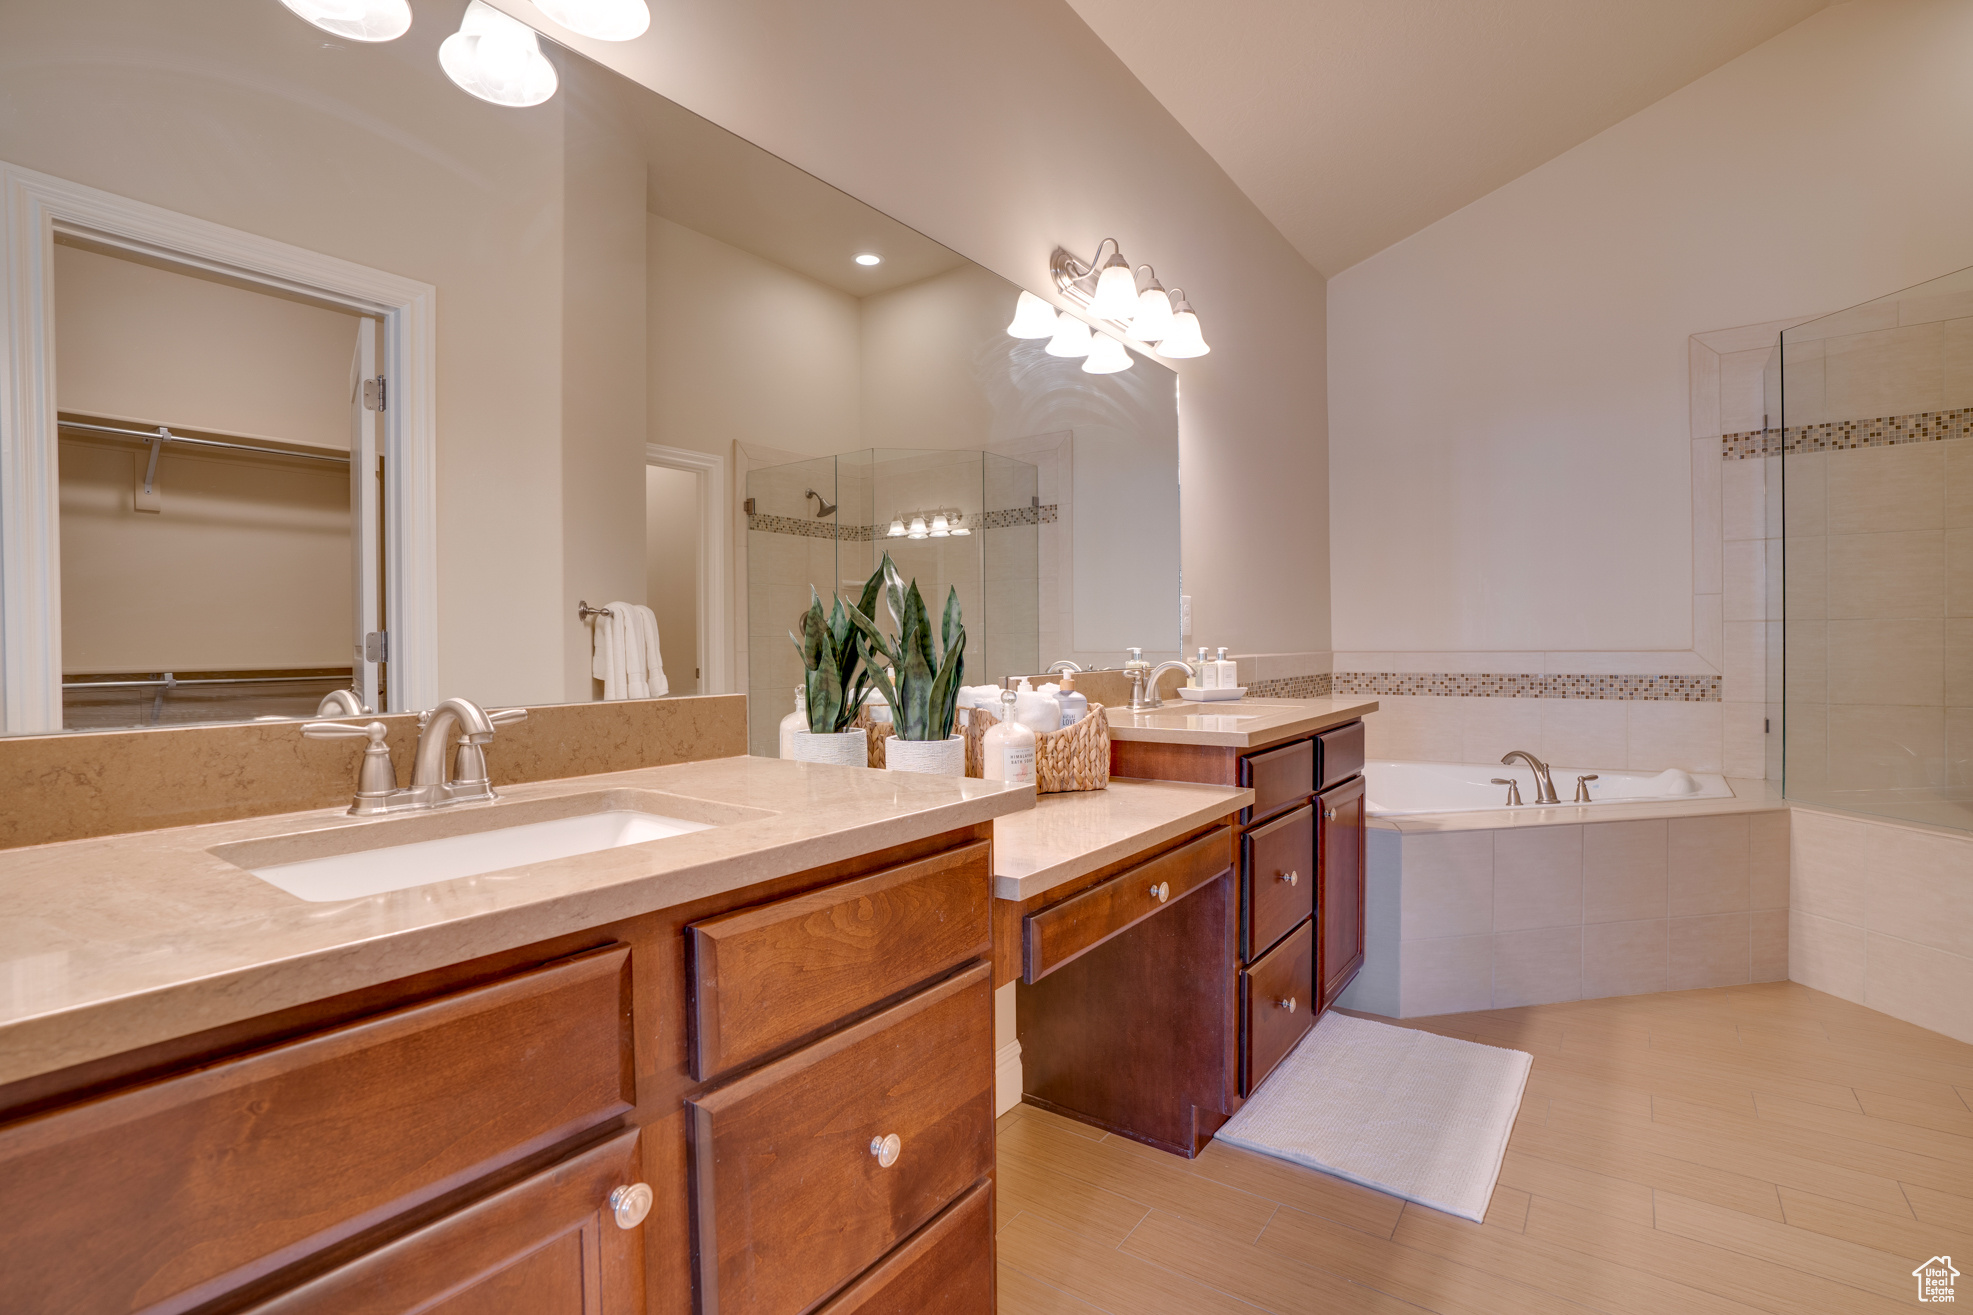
(1756, 1148)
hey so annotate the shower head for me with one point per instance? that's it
(821, 508)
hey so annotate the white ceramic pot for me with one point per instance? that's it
(848, 749)
(934, 757)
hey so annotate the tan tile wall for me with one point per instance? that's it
(1882, 914)
(1489, 919)
(68, 787)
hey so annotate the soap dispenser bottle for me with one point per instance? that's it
(1227, 672)
(1204, 674)
(1007, 749)
(794, 721)
(1074, 706)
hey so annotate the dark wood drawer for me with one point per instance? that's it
(1275, 1008)
(1278, 878)
(170, 1193)
(1279, 777)
(1059, 933)
(1341, 755)
(764, 977)
(547, 1245)
(947, 1266)
(790, 1201)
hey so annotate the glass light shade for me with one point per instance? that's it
(1033, 318)
(1106, 356)
(359, 20)
(1153, 322)
(917, 530)
(1071, 337)
(897, 529)
(940, 525)
(1184, 340)
(1116, 292)
(961, 532)
(497, 58)
(605, 20)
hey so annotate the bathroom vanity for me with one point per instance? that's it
(1163, 976)
(747, 1069)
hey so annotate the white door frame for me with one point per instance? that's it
(33, 208)
(715, 633)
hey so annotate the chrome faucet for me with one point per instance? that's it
(341, 703)
(1065, 665)
(1144, 682)
(1544, 783)
(377, 790)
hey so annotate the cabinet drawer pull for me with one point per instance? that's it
(1328, 814)
(1161, 892)
(1292, 878)
(630, 1204)
(886, 1149)
(1288, 1004)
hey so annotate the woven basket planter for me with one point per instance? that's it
(1065, 762)
(933, 757)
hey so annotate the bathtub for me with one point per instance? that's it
(1400, 788)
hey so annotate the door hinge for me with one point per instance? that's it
(375, 394)
(376, 646)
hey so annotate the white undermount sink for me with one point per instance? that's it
(373, 858)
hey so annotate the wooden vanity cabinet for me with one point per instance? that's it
(1301, 876)
(450, 1142)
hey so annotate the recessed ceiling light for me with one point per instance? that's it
(869, 258)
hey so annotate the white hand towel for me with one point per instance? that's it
(653, 671)
(608, 664)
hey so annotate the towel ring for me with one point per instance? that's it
(584, 611)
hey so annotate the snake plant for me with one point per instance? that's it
(920, 682)
(835, 678)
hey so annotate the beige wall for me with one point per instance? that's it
(1509, 424)
(137, 342)
(671, 570)
(744, 350)
(951, 119)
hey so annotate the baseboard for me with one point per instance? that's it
(1006, 1078)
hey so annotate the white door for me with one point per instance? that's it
(367, 401)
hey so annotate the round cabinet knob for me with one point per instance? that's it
(1328, 814)
(1288, 1004)
(630, 1204)
(1161, 892)
(1292, 878)
(886, 1149)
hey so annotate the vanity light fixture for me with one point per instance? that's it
(497, 58)
(1184, 340)
(1153, 322)
(358, 20)
(1071, 337)
(897, 528)
(1116, 287)
(938, 523)
(869, 258)
(1106, 355)
(941, 527)
(603, 20)
(1033, 318)
(917, 530)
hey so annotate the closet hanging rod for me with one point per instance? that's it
(171, 683)
(152, 435)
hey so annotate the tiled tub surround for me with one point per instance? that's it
(1488, 917)
(1882, 914)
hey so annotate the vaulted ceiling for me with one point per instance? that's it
(1352, 124)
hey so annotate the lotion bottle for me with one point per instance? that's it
(794, 721)
(1074, 706)
(1227, 672)
(1007, 749)
(1038, 712)
(1206, 675)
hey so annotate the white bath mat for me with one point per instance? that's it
(1415, 1114)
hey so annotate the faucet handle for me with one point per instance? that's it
(1582, 788)
(342, 730)
(503, 716)
(376, 776)
(1513, 789)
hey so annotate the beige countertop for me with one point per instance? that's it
(116, 942)
(1236, 723)
(1066, 835)
(1749, 796)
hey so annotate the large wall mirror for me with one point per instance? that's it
(327, 375)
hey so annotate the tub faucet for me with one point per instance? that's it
(1513, 789)
(1544, 783)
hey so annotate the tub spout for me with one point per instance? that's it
(1544, 783)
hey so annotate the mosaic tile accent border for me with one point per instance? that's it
(1316, 686)
(1472, 685)
(808, 528)
(1848, 435)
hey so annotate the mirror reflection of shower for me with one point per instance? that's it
(964, 520)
